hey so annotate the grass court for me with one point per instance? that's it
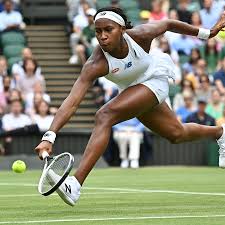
(114, 196)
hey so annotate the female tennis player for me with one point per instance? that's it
(123, 57)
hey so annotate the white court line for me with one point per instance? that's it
(90, 193)
(110, 219)
(158, 191)
(117, 191)
(18, 184)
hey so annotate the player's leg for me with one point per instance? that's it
(130, 103)
(162, 120)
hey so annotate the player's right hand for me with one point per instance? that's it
(43, 146)
(219, 26)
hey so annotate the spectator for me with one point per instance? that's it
(219, 78)
(210, 13)
(42, 117)
(115, 3)
(18, 68)
(156, 12)
(26, 83)
(5, 93)
(88, 40)
(196, 21)
(183, 12)
(189, 107)
(10, 19)
(200, 116)
(205, 88)
(129, 133)
(215, 107)
(3, 73)
(178, 101)
(210, 53)
(72, 9)
(110, 89)
(200, 68)
(14, 94)
(221, 120)
(3, 66)
(75, 7)
(183, 45)
(15, 118)
(172, 36)
(38, 91)
(165, 47)
(189, 66)
(79, 23)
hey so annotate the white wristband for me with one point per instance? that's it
(49, 136)
(203, 33)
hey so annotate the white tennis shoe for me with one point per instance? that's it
(221, 143)
(69, 190)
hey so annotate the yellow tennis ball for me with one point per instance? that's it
(221, 34)
(19, 166)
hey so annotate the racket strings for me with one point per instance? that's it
(56, 169)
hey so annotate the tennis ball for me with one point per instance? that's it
(19, 166)
(221, 34)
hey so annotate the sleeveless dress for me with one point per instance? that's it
(139, 67)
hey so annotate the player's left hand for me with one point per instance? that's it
(219, 26)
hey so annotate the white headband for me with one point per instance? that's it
(111, 16)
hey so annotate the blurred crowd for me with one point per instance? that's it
(24, 102)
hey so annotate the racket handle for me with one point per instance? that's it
(44, 154)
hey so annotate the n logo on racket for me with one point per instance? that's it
(68, 188)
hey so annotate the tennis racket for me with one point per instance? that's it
(55, 171)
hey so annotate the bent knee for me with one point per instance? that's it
(175, 135)
(104, 116)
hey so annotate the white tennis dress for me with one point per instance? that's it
(139, 67)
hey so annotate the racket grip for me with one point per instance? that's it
(44, 154)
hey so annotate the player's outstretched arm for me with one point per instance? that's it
(93, 68)
(157, 28)
(184, 28)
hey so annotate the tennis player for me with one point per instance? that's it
(123, 57)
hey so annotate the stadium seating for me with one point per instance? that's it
(51, 48)
(13, 38)
(42, 9)
(12, 50)
(13, 60)
(130, 7)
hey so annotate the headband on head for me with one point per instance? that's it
(111, 16)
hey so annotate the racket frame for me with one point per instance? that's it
(46, 158)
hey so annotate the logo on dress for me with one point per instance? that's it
(128, 65)
(115, 70)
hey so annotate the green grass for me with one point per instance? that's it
(119, 197)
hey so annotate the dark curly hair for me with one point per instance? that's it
(118, 11)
